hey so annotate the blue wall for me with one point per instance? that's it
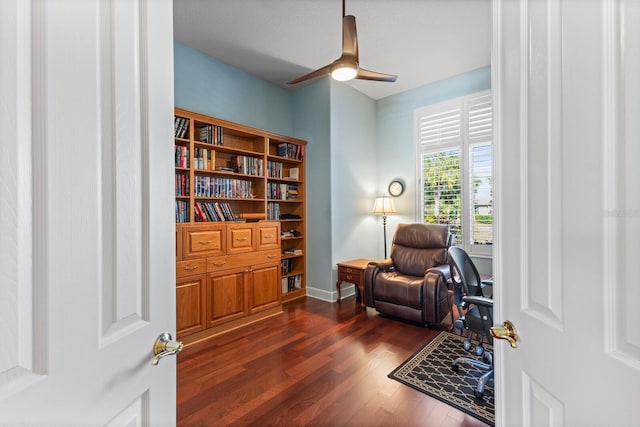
(205, 85)
(312, 122)
(397, 131)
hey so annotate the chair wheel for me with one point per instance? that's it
(478, 394)
(479, 350)
(467, 345)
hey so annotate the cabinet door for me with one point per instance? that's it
(226, 296)
(190, 307)
(265, 290)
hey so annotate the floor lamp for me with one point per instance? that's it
(383, 206)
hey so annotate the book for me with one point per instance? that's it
(294, 173)
(212, 213)
(201, 217)
(218, 210)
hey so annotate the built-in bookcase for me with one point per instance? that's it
(226, 175)
(286, 203)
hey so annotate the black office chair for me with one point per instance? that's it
(475, 312)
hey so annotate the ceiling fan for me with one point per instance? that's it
(347, 67)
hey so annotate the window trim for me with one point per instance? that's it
(464, 144)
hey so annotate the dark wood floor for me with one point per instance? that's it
(318, 364)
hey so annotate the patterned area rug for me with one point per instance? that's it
(429, 371)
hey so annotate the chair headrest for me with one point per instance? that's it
(423, 236)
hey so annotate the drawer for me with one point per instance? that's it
(190, 268)
(241, 260)
(239, 238)
(351, 275)
(201, 242)
(268, 236)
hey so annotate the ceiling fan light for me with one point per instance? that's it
(344, 69)
(343, 74)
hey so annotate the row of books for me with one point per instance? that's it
(213, 211)
(211, 134)
(291, 151)
(182, 184)
(180, 127)
(273, 211)
(210, 186)
(182, 211)
(291, 283)
(247, 165)
(281, 191)
(285, 266)
(276, 170)
(204, 159)
(181, 156)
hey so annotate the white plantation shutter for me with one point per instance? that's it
(441, 127)
(455, 155)
(480, 116)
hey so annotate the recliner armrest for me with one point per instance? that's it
(443, 270)
(384, 264)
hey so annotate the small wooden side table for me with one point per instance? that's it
(352, 272)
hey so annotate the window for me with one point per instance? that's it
(455, 169)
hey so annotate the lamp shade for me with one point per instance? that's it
(384, 205)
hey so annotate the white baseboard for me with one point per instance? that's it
(330, 296)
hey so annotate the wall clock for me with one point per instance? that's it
(396, 188)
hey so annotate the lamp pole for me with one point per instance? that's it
(384, 228)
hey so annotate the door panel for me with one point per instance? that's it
(226, 296)
(265, 287)
(566, 92)
(90, 230)
(190, 304)
(621, 179)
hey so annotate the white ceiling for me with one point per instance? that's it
(421, 41)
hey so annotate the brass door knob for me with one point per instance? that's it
(506, 332)
(165, 346)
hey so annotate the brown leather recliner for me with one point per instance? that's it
(412, 284)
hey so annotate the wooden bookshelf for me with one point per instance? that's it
(240, 224)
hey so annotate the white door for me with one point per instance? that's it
(86, 222)
(567, 96)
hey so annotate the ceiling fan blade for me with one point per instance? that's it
(312, 75)
(349, 37)
(373, 75)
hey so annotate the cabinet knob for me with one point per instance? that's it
(205, 242)
(241, 239)
(191, 267)
(219, 263)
